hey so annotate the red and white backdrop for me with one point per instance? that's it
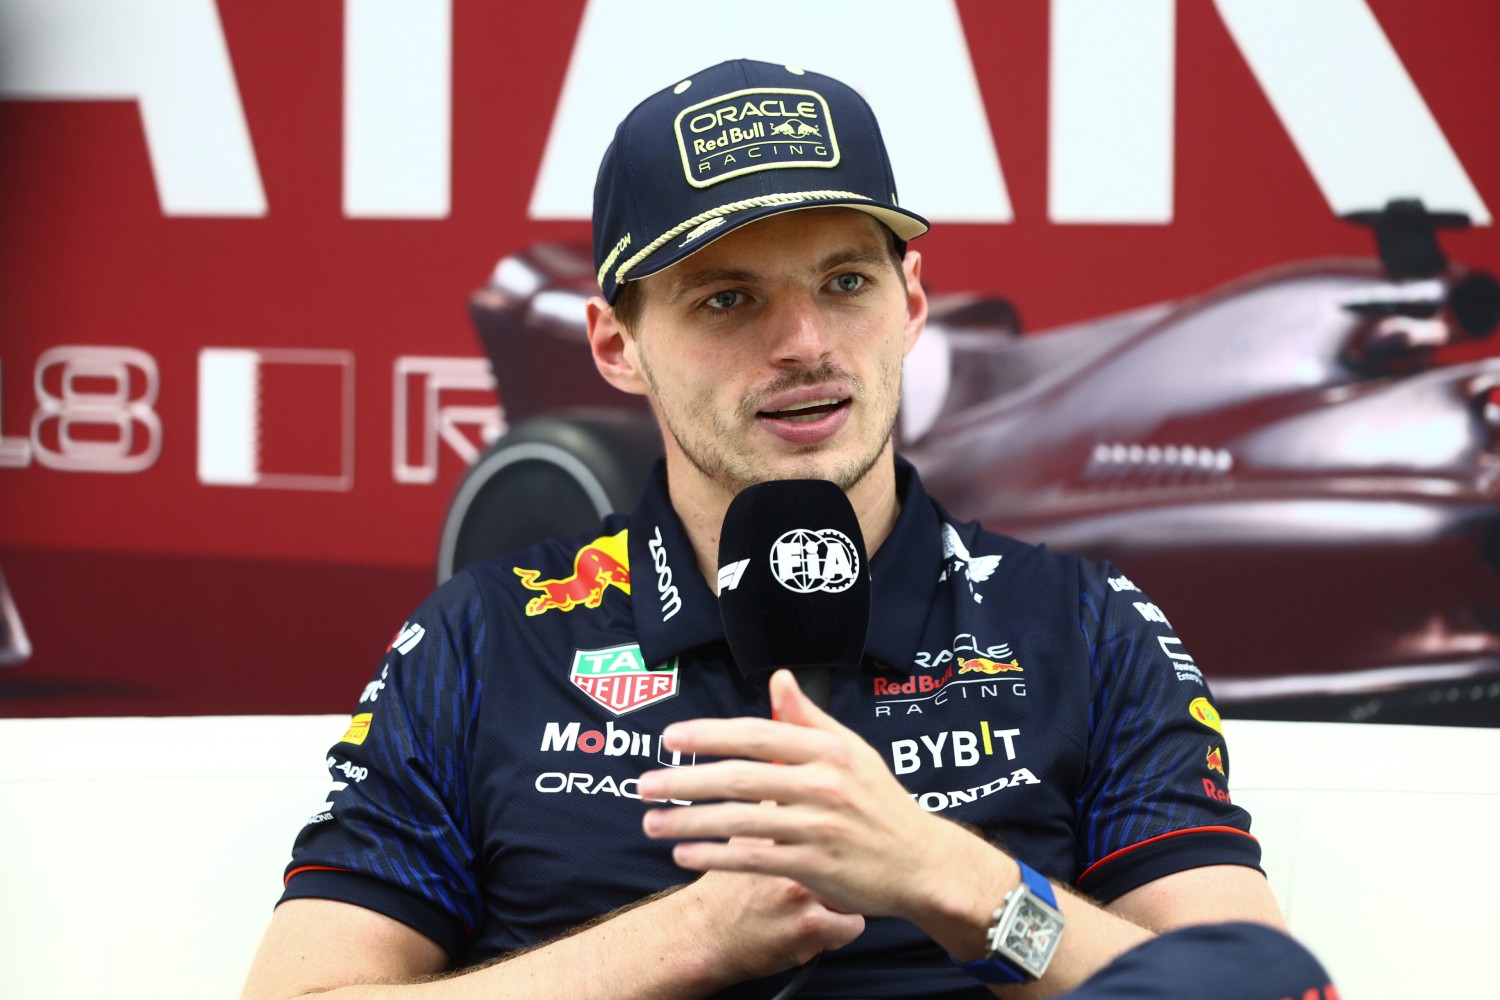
(238, 381)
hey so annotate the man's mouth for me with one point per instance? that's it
(806, 413)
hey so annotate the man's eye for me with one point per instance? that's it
(849, 282)
(724, 300)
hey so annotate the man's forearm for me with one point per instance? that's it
(721, 929)
(955, 906)
(633, 953)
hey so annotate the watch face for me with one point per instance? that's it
(1032, 935)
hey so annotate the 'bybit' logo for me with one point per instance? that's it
(751, 130)
(959, 748)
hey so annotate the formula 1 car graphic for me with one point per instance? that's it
(1289, 464)
(15, 648)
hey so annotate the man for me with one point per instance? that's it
(1015, 722)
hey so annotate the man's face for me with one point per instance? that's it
(775, 352)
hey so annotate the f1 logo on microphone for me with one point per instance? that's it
(729, 576)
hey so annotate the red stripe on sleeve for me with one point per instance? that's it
(311, 868)
(1152, 840)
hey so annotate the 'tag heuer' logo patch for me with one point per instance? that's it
(602, 563)
(751, 130)
(619, 679)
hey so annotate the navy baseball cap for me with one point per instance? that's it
(728, 145)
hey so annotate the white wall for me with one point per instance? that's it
(142, 857)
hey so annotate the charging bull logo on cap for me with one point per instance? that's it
(599, 565)
(750, 130)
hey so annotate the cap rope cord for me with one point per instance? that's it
(729, 209)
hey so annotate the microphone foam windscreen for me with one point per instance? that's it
(794, 580)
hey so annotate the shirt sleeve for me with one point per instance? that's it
(1155, 797)
(393, 835)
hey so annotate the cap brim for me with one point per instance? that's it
(906, 225)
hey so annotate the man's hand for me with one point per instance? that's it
(840, 823)
(761, 924)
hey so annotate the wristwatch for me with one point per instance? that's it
(1026, 931)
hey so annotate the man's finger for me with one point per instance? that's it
(728, 821)
(752, 856)
(790, 704)
(737, 780)
(757, 739)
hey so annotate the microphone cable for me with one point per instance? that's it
(800, 979)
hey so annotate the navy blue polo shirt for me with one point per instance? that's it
(485, 793)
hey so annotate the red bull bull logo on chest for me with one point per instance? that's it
(985, 665)
(599, 565)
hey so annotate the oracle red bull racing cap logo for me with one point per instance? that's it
(599, 565)
(750, 130)
(618, 679)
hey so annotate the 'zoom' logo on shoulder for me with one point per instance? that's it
(671, 600)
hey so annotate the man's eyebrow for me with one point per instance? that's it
(866, 255)
(690, 281)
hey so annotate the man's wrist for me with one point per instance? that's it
(960, 897)
(1024, 933)
(707, 954)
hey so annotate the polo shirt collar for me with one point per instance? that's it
(675, 610)
(904, 575)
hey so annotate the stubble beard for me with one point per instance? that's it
(723, 456)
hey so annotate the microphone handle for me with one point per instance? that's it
(814, 684)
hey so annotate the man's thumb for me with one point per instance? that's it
(790, 703)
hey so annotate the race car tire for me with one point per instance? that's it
(548, 477)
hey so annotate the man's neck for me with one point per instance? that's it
(701, 503)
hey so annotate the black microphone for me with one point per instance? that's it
(794, 582)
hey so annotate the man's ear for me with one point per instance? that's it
(916, 299)
(614, 348)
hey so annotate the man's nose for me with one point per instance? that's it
(803, 337)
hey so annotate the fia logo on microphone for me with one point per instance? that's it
(806, 560)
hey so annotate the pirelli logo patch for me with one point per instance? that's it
(359, 728)
(751, 130)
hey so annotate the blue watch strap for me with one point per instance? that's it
(997, 969)
(1038, 884)
(991, 970)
